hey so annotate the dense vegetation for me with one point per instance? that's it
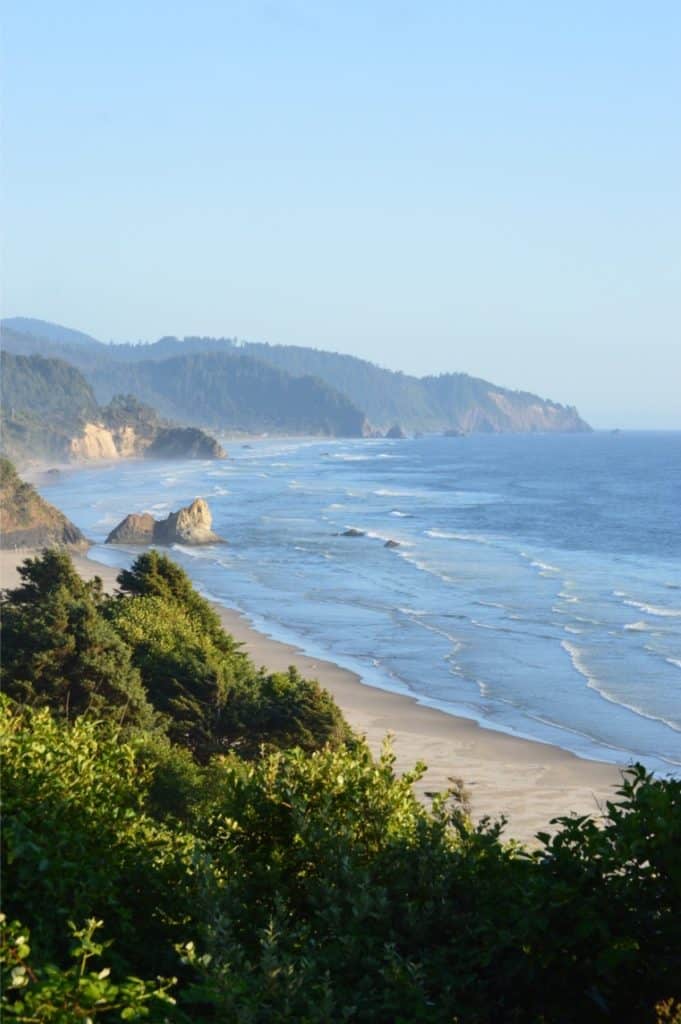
(26, 519)
(450, 401)
(174, 814)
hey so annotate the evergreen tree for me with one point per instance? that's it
(58, 650)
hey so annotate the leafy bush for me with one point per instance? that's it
(49, 995)
(294, 877)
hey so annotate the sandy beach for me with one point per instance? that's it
(527, 781)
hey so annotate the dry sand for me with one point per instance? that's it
(527, 781)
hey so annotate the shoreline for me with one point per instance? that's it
(527, 781)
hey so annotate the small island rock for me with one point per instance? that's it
(396, 433)
(190, 525)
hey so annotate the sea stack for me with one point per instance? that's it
(190, 525)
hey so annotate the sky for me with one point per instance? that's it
(487, 187)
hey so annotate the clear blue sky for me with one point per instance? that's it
(493, 187)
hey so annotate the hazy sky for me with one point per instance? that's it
(493, 187)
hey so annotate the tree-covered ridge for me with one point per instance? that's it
(225, 390)
(57, 389)
(175, 815)
(26, 519)
(451, 401)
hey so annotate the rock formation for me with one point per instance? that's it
(396, 432)
(190, 525)
(134, 529)
(27, 520)
(184, 443)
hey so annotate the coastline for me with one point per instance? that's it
(527, 781)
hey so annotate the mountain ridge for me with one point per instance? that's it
(448, 402)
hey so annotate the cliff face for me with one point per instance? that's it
(98, 441)
(190, 525)
(26, 520)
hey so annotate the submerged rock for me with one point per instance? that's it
(353, 533)
(392, 544)
(190, 525)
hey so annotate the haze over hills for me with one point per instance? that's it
(262, 387)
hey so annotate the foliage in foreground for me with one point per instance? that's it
(289, 884)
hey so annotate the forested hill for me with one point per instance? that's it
(450, 401)
(206, 382)
(225, 390)
(453, 401)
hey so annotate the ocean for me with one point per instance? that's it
(536, 585)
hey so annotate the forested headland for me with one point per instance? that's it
(188, 837)
(257, 387)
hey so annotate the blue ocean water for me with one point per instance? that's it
(536, 586)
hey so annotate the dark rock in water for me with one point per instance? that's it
(353, 533)
(396, 433)
(246, 445)
(392, 544)
(453, 432)
(184, 443)
(191, 525)
(134, 529)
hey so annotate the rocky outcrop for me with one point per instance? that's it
(99, 441)
(353, 532)
(190, 525)
(396, 432)
(184, 443)
(134, 529)
(27, 520)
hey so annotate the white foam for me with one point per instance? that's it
(544, 566)
(401, 515)
(638, 627)
(652, 609)
(446, 535)
(576, 657)
(423, 566)
(384, 492)
(353, 458)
